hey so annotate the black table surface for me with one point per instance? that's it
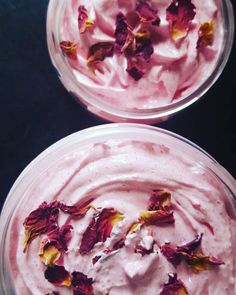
(36, 110)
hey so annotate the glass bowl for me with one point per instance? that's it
(148, 157)
(114, 107)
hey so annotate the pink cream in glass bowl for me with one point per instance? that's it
(139, 60)
(120, 209)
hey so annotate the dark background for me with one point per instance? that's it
(36, 111)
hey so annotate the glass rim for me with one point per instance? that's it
(63, 69)
(92, 135)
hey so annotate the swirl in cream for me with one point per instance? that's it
(121, 175)
(175, 71)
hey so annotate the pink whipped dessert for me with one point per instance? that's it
(141, 54)
(120, 216)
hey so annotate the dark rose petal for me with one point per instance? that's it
(122, 33)
(180, 13)
(190, 247)
(159, 200)
(41, 221)
(96, 258)
(69, 49)
(147, 14)
(99, 228)
(144, 46)
(171, 254)
(206, 34)
(83, 20)
(174, 286)
(134, 69)
(58, 275)
(78, 210)
(98, 52)
(82, 285)
(199, 262)
(156, 217)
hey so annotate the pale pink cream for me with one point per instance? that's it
(175, 71)
(122, 175)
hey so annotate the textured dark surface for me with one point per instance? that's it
(36, 110)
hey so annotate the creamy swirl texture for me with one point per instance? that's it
(176, 69)
(122, 175)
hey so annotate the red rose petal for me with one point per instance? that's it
(58, 275)
(40, 221)
(98, 52)
(78, 210)
(99, 228)
(147, 14)
(174, 286)
(122, 33)
(118, 245)
(143, 251)
(190, 247)
(82, 285)
(159, 200)
(96, 258)
(180, 13)
(206, 34)
(134, 69)
(69, 49)
(84, 21)
(171, 254)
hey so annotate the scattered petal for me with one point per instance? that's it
(98, 52)
(69, 49)
(159, 200)
(40, 221)
(134, 226)
(206, 34)
(84, 21)
(147, 14)
(179, 14)
(100, 228)
(174, 286)
(144, 46)
(134, 69)
(199, 262)
(156, 217)
(190, 247)
(96, 258)
(171, 254)
(123, 34)
(82, 285)
(78, 210)
(143, 251)
(118, 245)
(56, 243)
(58, 276)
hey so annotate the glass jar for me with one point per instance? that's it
(118, 106)
(41, 176)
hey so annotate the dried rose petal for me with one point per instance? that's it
(69, 49)
(96, 258)
(179, 14)
(122, 33)
(78, 210)
(82, 285)
(118, 245)
(159, 200)
(98, 52)
(206, 34)
(190, 247)
(174, 286)
(99, 228)
(156, 217)
(147, 14)
(40, 221)
(134, 69)
(56, 243)
(133, 227)
(171, 254)
(84, 21)
(144, 46)
(49, 254)
(200, 262)
(58, 275)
